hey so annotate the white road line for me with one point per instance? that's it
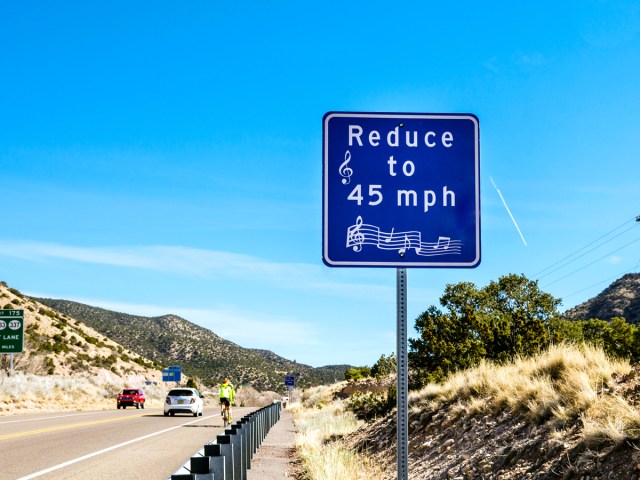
(105, 450)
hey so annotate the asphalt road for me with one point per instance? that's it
(123, 444)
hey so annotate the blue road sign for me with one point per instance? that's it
(172, 374)
(401, 190)
(290, 381)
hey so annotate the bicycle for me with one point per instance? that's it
(225, 413)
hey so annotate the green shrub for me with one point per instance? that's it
(369, 405)
(16, 292)
(357, 373)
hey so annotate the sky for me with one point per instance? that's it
(160, 158)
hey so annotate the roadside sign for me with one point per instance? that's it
(401, 190)
(290, 381)
(11, 331)
(172, 374)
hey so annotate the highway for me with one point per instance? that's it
(115, 444)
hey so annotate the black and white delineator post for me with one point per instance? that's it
(403, 376)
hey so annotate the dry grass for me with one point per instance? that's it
(565, 383)
(323, 458)
(23, 392)
(318, 396)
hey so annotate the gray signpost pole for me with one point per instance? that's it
(375, 168)
(403, 376)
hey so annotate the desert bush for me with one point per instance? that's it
(385, 366)
(370, 405)
(357, 373)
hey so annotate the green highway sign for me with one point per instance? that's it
(11, 331)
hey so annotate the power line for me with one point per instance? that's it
(636, 219)
(589, 264)
(585, 253)
(603, 281)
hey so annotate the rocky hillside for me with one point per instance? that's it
(568, 414)
(171, 340)
(620, 299)
(55, 343)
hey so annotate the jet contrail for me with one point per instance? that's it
(508, 211)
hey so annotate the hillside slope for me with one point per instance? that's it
(171, 340)
(568, 414)
(620, 299)
(55, 343)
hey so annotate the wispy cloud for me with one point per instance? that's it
(151, 257)
(207, 263)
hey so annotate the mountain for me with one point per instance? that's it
(620, 299)
(58, 344)
(172, 340)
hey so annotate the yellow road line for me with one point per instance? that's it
(65, 427)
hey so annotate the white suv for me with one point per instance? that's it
(183, 400)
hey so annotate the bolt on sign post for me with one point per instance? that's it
(401, 190)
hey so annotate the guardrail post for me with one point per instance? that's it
(222, 460)
(244, 424)
(236, 441)
(192, 476)
(236, 434)
(202, 467)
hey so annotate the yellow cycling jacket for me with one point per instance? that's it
(226, 391)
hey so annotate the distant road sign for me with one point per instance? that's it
(290, 381)
(172, 374)
(401, 190)
(11, 331)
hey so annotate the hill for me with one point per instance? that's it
(172, 340)
(620, 299)
(55, 343)
(568, 413)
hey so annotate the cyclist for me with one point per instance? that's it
(226, 396)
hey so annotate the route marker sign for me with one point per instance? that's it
(401, 190)
(290, 381)
(11, 331)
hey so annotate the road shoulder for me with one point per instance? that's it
(276, 458)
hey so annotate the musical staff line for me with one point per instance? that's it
(361, 233)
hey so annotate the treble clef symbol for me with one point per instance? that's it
(355, 238)
(345, 171)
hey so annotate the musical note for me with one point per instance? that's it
(445, 241)
(407, 244)
(360, 234)
(355, 237)
(388, 239)
(344, 170)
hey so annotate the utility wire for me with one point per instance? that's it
(585, 253)
(636, 219)
(596, 260)
(603, 281)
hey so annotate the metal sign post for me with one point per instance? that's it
(403, 376)
(401, 190)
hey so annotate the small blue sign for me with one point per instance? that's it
(401, 190)
(172, 374)
(290, 381)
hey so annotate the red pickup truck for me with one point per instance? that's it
(130, 397)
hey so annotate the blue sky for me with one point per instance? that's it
(161, 158)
